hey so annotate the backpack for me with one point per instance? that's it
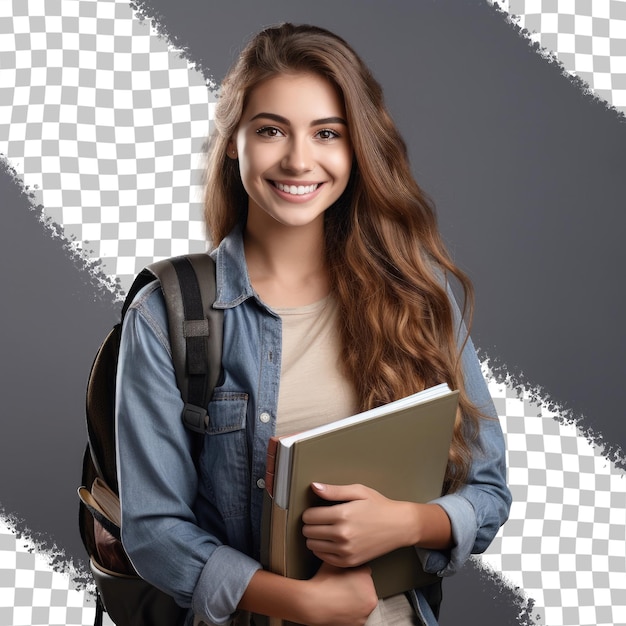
(195, 329)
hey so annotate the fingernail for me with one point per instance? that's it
(319, 486)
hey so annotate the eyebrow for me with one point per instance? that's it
(283, 120)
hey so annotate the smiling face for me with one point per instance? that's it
(294, 149)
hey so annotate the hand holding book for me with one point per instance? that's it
(364, 525)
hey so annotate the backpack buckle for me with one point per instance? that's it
(195, 418)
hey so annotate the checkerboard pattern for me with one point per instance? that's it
(565, 541)
(106, 123)
(588, 39)
(32, 591)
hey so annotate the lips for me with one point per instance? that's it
(296, 190)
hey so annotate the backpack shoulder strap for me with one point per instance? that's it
(195, 328)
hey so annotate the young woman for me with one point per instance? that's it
(335, 287)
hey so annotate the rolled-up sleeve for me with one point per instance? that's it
(158, 478)
(479, 508)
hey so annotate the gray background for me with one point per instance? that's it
(526, 172)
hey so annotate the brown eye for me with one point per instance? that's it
(327, 134)
(269, 131)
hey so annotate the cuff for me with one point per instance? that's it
(221, 585)
(464, 530)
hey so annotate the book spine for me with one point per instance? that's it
(270, 469)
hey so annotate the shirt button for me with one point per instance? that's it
(260, 483)
(265, 417)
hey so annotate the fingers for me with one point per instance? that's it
(365, 525)
(322, 515)
(340, 493)
(327, 553)
(323, 531)
(333, 542)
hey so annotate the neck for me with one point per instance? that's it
(286, 264)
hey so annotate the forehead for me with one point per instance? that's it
(295, 96)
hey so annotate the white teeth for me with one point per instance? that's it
(299, 190)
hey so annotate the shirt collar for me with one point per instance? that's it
(233, 282)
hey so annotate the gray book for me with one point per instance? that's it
(400, 449)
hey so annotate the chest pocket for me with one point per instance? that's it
(225, 468)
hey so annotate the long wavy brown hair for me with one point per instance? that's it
(383, 247)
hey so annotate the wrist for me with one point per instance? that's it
(278, 596)
(430, 527)
(307, 602)
(412, 521)
(300, 602)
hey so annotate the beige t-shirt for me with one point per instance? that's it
(314, 391)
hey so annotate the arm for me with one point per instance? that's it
(158, 479)
(333, 597)
(481, 506)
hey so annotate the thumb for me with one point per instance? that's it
(338, 493)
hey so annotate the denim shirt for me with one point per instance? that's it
(195, 533)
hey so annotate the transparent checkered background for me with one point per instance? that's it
(565, 541)
(32, 592)
(106, 122)
(587, 37)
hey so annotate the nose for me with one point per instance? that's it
(299, 156)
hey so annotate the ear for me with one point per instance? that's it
(231, 149)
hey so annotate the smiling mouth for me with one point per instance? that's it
(296, 190)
